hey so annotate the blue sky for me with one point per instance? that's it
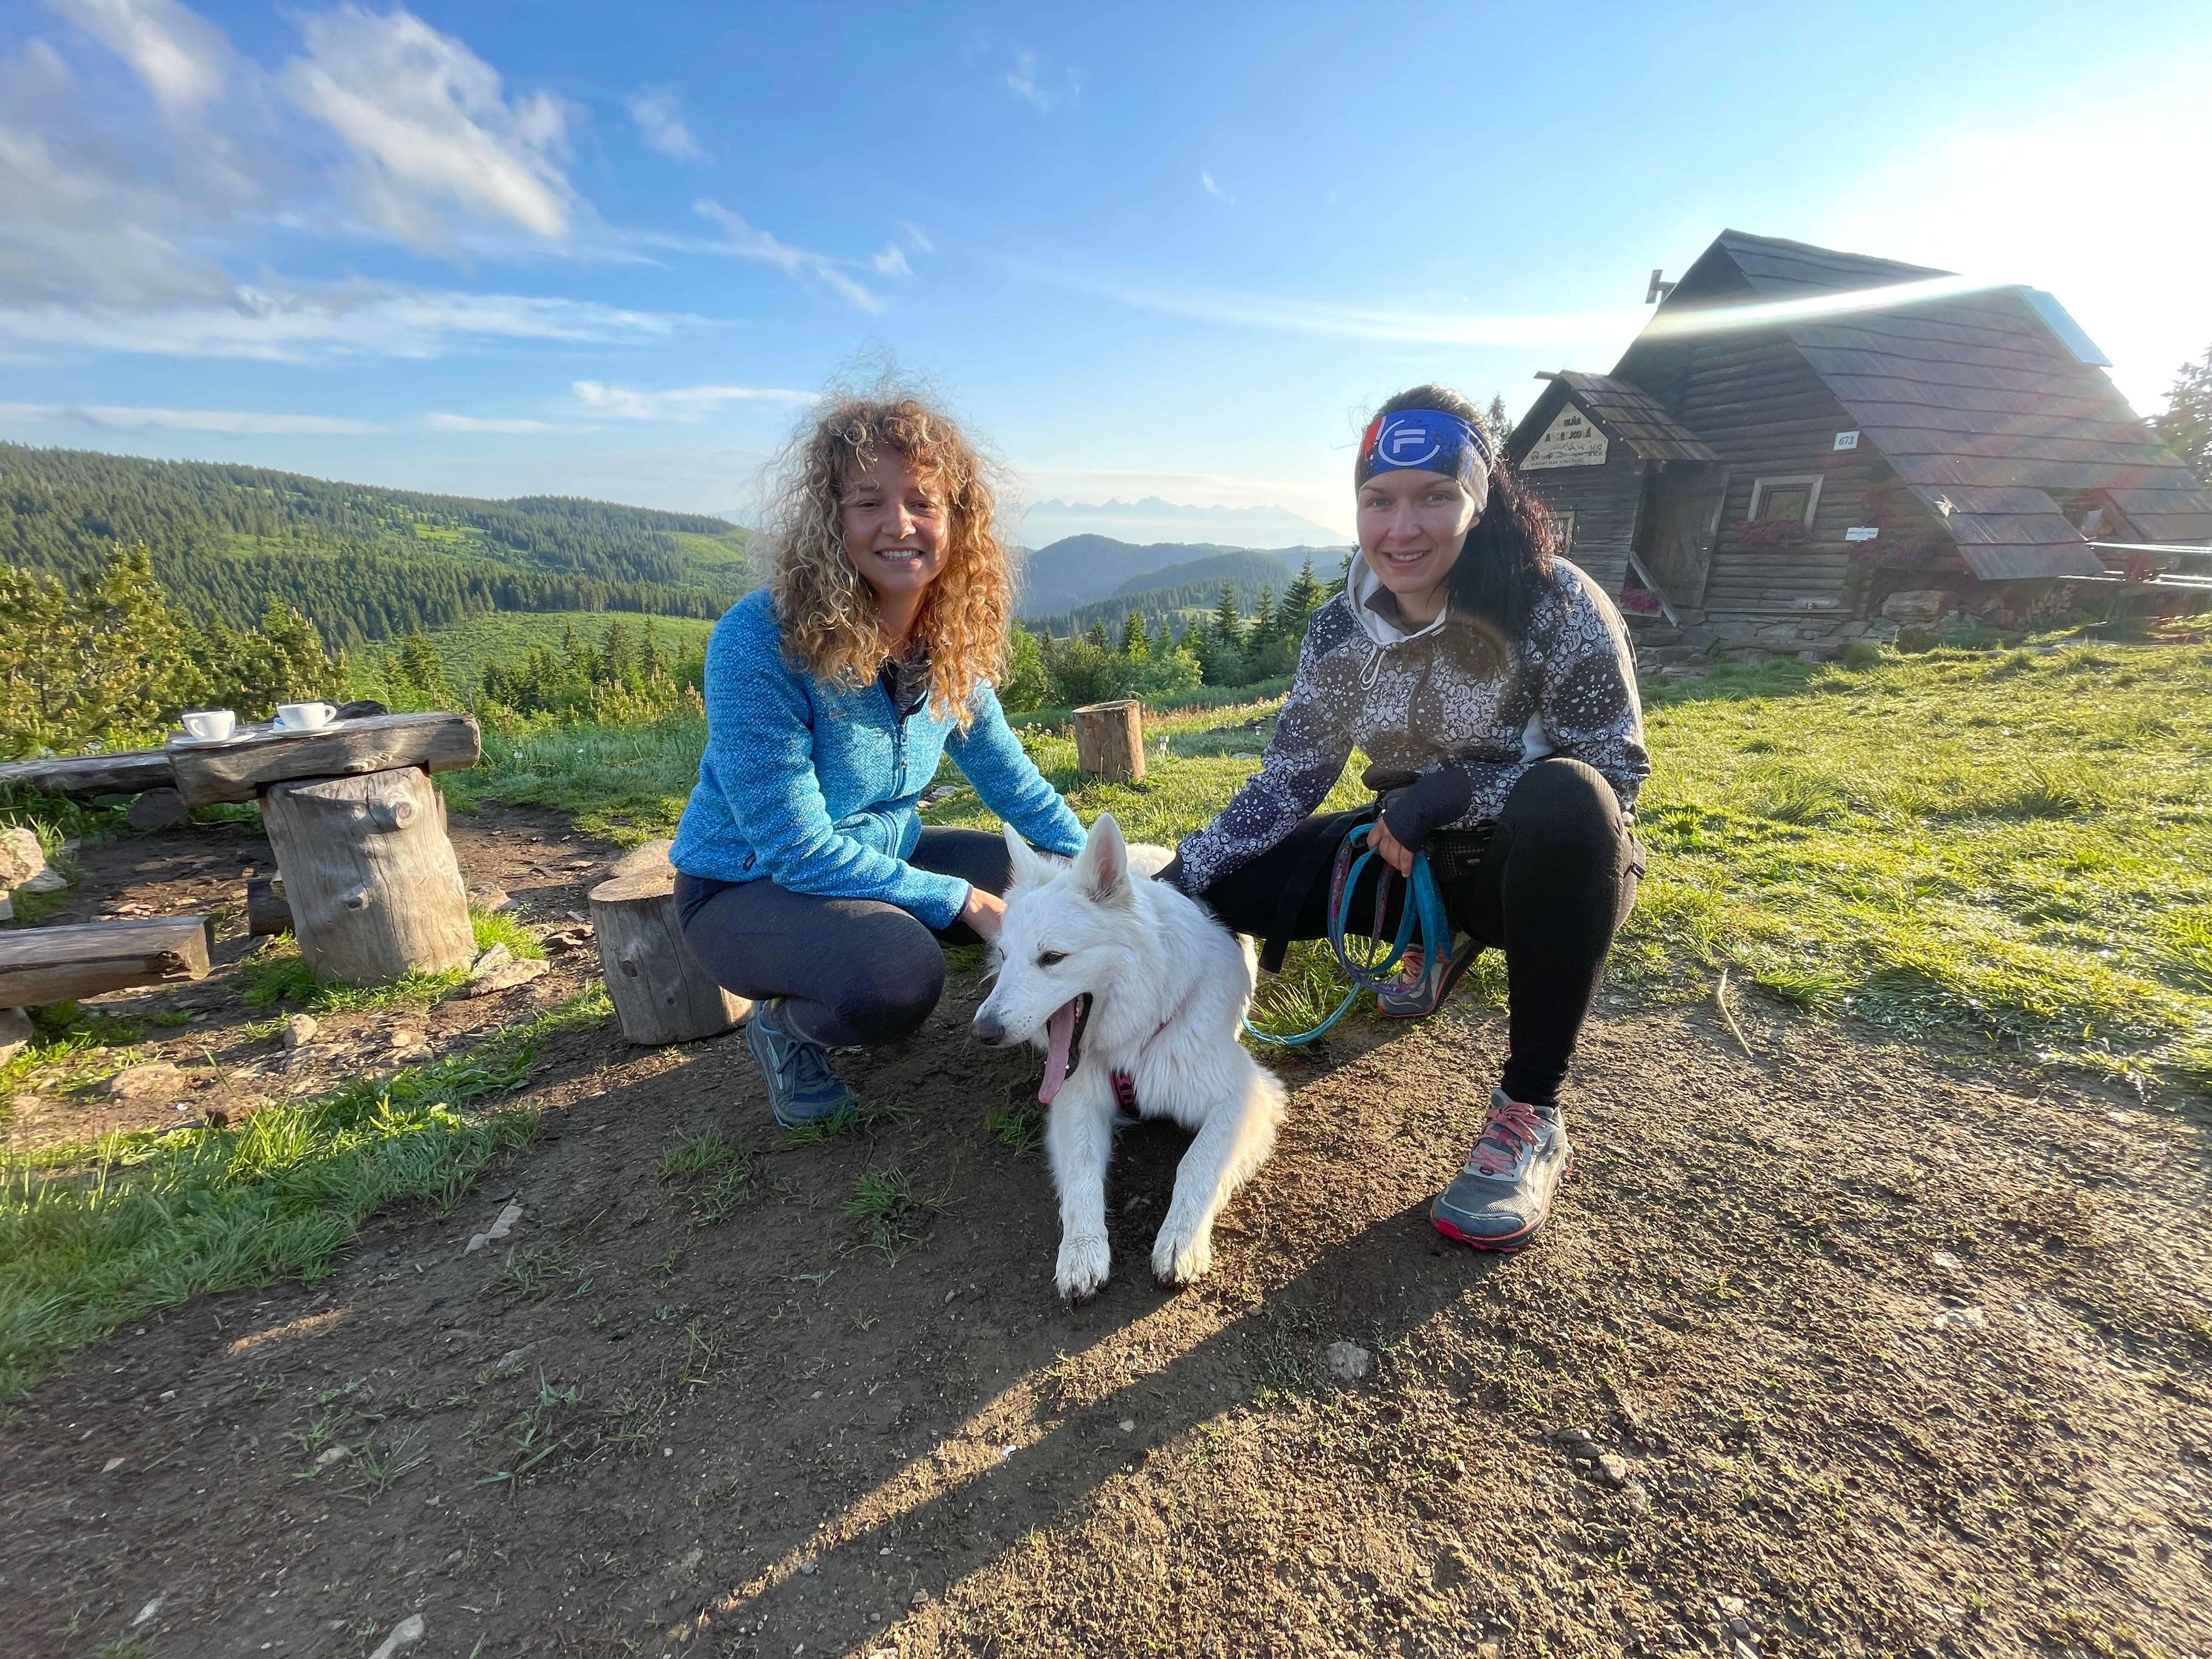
(1148, 251)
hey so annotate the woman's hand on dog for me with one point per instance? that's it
(983, 911)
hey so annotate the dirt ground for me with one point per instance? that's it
(1839, 1347)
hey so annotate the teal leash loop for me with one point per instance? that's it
(1423, 914)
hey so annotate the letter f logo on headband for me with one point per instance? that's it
(1426, 440)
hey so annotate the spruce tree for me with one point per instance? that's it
(1228, 620)
(1134, 645)
(1301, 599)
(1096, 635)
(2187, 424)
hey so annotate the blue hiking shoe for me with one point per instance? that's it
(802, 1086)
(1502, 1196)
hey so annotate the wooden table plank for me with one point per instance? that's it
(127, 772)
(240, 767)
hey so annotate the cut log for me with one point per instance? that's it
(83, 776)
(266, 912)
(1109, 741)
(660, 991)
(243, 766)
(646, 859)
(38, 965)
(370, 878)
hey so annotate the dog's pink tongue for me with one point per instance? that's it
(1059, 1037)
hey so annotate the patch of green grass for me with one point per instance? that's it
(2015, 848)
(1017, 1120)
(891, 1214)
(93, 1236)
(523, 1274)
(627, 784)
(280, 974)
(717, 1173)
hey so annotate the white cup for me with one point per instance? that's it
(305, 716)
(215, 723)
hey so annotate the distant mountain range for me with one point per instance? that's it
(1087, 578)
(1154, 520)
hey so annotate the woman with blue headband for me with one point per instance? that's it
(1465, 655)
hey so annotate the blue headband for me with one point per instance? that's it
(1426, 440)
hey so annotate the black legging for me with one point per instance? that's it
(1557, 882)
(855, 971)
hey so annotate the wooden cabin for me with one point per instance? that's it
(1804, 445)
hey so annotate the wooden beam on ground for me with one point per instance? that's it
(38, 965)
(240, 767)
(81, 777)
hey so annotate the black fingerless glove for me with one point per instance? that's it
(1172, 873)
(1424, 807)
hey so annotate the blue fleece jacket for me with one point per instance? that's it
(813, 787)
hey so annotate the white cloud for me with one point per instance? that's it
(1597, 330)
(1025, 83)
(432, 139)
(690, 403)
(182, 58)
(482, 424)
(115, 417)
(747, 243)
(2045, 204)
(891, 262)
(1206, 183)
(356, 320)
(913, 233)
(659, 112)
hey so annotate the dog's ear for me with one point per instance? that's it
(1030, 866)
(1102, 868)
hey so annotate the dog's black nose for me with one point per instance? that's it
(988, 1030)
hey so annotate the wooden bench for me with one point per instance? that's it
(39, 965)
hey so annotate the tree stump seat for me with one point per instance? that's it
(661, 991)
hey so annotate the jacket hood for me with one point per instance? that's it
(1362, 586)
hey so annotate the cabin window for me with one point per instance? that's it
(1785, 500)
(1562, 531)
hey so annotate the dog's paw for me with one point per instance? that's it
(1084, 1264)
(1180, 1257)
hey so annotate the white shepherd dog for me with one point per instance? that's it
(1136, 994)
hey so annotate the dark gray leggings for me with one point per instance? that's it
(855, 971)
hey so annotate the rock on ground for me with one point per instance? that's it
(15, 1031)
(300, 1030)
(159, 808)
(1347, 1362)
(143, 1082)
(21, 857)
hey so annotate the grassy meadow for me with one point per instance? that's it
(2011, 847)
(468, 646)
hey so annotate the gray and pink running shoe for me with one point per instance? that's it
(1502, 1194)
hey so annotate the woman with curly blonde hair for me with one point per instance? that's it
(805, 878)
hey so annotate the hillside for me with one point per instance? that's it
(1081, 569)
(467, 648)
(365, 563)
(1189, 589)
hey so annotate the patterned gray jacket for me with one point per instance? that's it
(1451, 696)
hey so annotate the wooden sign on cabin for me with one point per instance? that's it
(1570, 441)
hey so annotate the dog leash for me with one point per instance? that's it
(1421, 920)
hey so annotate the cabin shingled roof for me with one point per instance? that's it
(1978, 402)
(1624, 410)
